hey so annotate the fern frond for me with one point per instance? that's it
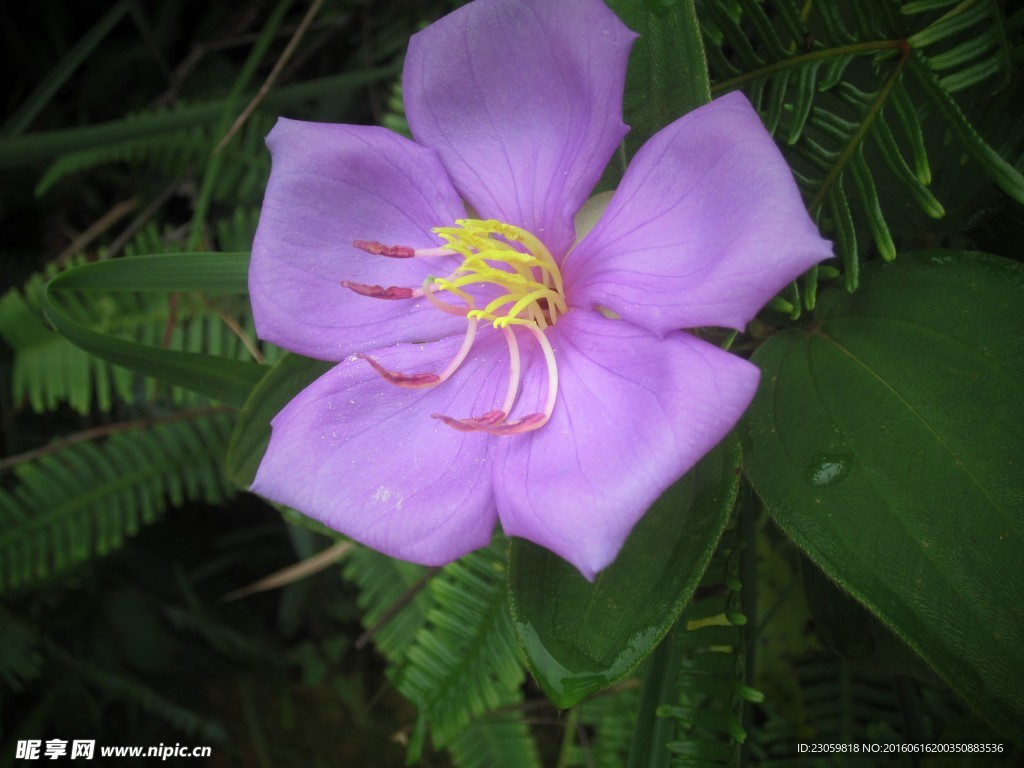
(464, 661)
(245, 161)
(84, 499)
(608, 720)
(49, 370)
(178, 151)
(1003, 173)
(383, 583)
(709, 712)
(798, 66)
(154, 239)
(236, 233)
(499, 739)
(840, 704)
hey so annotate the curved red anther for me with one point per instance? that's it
(493, 422)
(528, 423)
(379, 249)
(474, 424)
(406, 380)
(379, 291)
(492, 417)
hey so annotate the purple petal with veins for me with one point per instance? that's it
(483, 377)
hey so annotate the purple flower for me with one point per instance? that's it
(494, 365)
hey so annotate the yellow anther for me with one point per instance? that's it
(509, 280)
(530, 279)
(505, 322)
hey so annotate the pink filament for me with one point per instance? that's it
(514, 371)
(493, 422)
(424, 380)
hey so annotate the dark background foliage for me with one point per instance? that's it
(123, 533)
(140, 647)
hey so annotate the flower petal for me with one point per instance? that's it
(329, 186)
(634, 413)
(366, 458)
(706, 227)
(522, 99)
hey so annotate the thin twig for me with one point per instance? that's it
(239, 22)
(98, 227)
(293, 573)
(140, 220)
(251, 37)
(272, 77)
(238, 330)
(106, 430)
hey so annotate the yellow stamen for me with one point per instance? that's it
(530, 280)
(530, 295)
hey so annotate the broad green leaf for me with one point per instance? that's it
(579, 637)
(87, 497)
(843, 625)
(667, 75)
(886, 441)
(286, 379)
(229, 381)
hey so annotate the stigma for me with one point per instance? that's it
(502, 275)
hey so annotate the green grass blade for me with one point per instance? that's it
(229, 381)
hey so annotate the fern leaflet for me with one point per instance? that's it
(86, 498)
(798, 65)
(50, 370)
(464, 661)
(712, 692)
(499, 739)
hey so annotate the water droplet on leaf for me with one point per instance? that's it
(828, 469)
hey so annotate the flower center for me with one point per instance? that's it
(529, 283)
(515, 274)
